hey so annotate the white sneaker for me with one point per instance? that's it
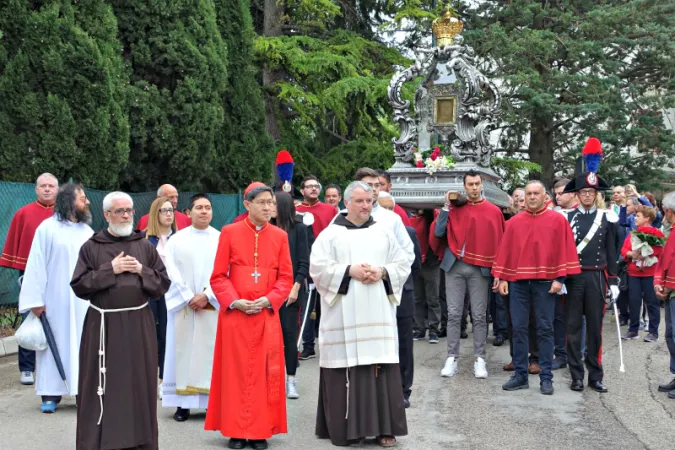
(450, 367)
(27, 378)
(479, 369)
(291, 390)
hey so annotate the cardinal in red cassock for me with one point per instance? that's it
(252, 277)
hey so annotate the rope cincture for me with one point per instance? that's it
(100, 391)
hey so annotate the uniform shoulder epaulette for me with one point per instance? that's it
(611, 216)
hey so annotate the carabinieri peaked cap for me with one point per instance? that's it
(592, 154)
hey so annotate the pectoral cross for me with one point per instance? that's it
(255, 275)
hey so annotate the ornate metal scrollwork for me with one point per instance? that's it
(469, 137)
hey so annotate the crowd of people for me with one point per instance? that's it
(171, 308)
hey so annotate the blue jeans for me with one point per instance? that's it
(524, 294)
(670, 336)
(559, 330)
(499, 321)
(639, 289)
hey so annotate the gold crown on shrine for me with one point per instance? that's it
(445, 28)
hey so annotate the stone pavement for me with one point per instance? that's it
(456, 413)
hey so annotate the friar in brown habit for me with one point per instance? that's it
(119, 272)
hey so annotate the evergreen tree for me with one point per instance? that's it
(570, 69)
(325, 78)
(62, 92)
(245, 151)
(178, 65)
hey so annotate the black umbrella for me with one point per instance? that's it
(52, 346)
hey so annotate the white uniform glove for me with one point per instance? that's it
(614, 292)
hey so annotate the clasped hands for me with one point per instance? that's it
(365, 273)
(123, 264)
(198, 302)
(251, 306)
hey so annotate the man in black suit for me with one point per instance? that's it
(406, 310)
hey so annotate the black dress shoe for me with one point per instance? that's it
(597, 386)
(181, 415)
(236, 443)
(258, 445)
(499, 341)
(463, 334)
(577, 385)
(667, 387)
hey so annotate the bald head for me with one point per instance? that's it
(385, 200)
(46, 188)
(170, 192)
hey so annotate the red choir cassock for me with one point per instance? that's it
(664, 275)
(247, 399)
(402, 214)
(182, 221)
(21, 233)
(475, 228)
(323, 215)
(240, 217)
(536, 246)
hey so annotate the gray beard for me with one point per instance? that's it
(83, 216)
(122, 230)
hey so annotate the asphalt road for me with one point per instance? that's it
(460, 412)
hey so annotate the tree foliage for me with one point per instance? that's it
(62, 92)
(177, 61)
(244, 150)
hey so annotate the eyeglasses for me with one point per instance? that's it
(313, 186)
(166, 211)
(587, 192)
(122, 211)
(264, 203)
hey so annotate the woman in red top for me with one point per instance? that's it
(641, 272)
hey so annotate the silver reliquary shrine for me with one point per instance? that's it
(455, 109)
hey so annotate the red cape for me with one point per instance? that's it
(247, 397)
(323, 215)
(664, 275)
(536, 246)
(476, 227)
(427, 237)
(21, 233)
(402, 214)
(240, 217)
(182, 221)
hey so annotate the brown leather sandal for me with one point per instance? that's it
(386, 441)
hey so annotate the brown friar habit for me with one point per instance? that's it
(130, 400)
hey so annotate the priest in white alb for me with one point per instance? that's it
(46, 290)
(359, 269)
(192, 313)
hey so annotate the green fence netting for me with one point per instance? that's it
(15, 195)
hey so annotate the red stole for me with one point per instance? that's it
(21, 233)
(665, 269)
(476, 228)
(536, 246)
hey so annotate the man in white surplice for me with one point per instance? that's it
(359, 270)
(46, 290)
(192, 312)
